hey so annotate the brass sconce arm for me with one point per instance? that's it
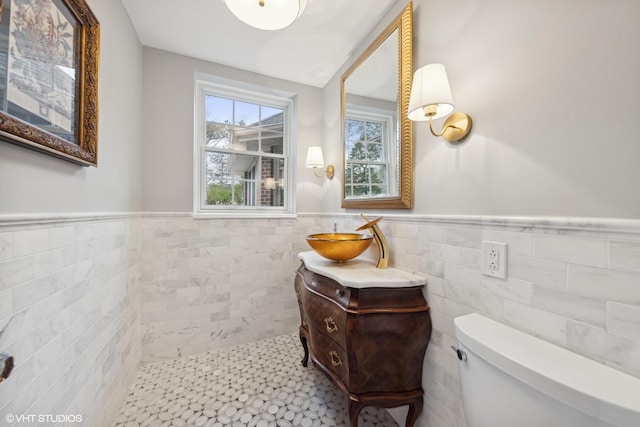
(329, 171)
(455, 127)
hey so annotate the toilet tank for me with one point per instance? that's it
(512, 379)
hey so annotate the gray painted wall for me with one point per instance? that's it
(31, 182)
(543, 89)
(168, 130)
(553, 91)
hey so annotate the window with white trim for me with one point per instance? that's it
(242, 150)
(369, 152)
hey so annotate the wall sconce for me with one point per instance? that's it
(270, 183)
(431, 99)
(267, 14)
(315, 160)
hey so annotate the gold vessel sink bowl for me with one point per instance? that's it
(339, 247)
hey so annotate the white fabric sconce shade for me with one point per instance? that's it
(267, 14)
(431, 99)
(315, 160)
(270, 184)
(430, 87)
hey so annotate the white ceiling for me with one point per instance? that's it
(310, 51)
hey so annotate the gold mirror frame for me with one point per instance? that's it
(404, 200)
(84, 149)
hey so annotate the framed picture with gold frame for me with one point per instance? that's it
(49, 52)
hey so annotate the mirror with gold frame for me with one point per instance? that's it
(377, 135)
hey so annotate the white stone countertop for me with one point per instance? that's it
(360, 272)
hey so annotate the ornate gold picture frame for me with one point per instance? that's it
(49, 52)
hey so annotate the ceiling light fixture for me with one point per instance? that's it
(267, 14)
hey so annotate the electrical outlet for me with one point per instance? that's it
(494, 259)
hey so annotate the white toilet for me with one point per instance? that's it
(511, 379)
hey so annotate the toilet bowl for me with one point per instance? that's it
(509, 379)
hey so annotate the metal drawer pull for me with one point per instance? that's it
(335, 359)
(331, 324)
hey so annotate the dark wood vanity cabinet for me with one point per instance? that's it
(370, 342)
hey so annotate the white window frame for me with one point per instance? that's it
(390, 135)
(217, 86)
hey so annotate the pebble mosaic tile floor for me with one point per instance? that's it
(260, 384)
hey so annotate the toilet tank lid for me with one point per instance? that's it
(582, 383)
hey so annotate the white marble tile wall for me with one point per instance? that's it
(80, 306)
(571, 282)
(220, 282)
(70, 316)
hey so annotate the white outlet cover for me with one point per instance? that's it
(489, 251)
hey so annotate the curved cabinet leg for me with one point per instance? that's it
(415, 408)
(354, 412)
(305, 359)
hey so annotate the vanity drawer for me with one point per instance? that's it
(327, 317)
(330, 355)
(325, 286)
